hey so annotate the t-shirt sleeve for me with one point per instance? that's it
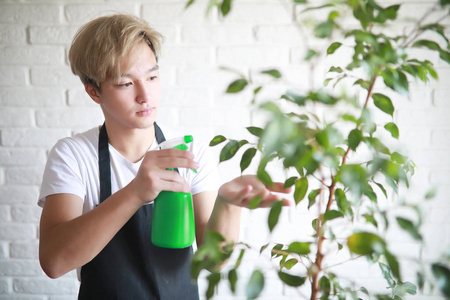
(62, 174)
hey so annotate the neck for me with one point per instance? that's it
(132, 143)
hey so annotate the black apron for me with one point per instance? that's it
(130, 266)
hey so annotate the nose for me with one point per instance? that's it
(143, 92)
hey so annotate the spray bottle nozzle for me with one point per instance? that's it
(178, 143)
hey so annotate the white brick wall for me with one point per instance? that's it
(41, 101)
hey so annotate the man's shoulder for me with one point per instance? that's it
(83, 142)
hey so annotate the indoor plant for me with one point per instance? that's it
(342, 164)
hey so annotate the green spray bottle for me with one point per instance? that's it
(173, 214)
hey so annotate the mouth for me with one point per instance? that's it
(145, 112)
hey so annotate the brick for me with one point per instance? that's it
(79, 97)
(81, 13)
(36, 286)
(190, 56)
(44, 35)
(170, 13)
(24, 175)
(69, 118)
(32, 55)
(24, 250)
(218, 35)
(29, 13)
(4, 250)
(5, 286)
(42, 97)
(4, 215)
(12, 296)
(12, 35)
(440, 98)
(262, 13)
(440, 138)
(16, 117)
(286, 34)
(17, 232)
(270, 56)
(20, 156)
(54, 77)
(26, 213)
(423, 117)
(20, 268)
(32, 137)
(16, 194)
(13, 76)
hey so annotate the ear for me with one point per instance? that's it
(93, 93)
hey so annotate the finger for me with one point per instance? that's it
(166, 162)
(173, 153)
(172, 181)
(279, 188)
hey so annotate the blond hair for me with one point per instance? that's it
(100, 45)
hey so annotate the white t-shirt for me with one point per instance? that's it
(72, 168)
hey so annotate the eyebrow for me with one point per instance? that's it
(155, 68)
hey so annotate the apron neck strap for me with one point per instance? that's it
(104, 161)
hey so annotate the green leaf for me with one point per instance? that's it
(189, 3)
(290, 263)
(354, 138)
(325, 286)
(365, 243)
(301, 187)
(213, 281)
(406, 287)
(370, 219)
(393, 264)
(386, 272)
(299, 248)
(255, 285)
(324, 30)
(237, 86)
(393, 129)
(274, 73)
(290, 182)
(217, 140)
(256, 131)
(274, 214)
(255, 202)
(333, 47)
(276, 247)
(247, 158)
(431, 193)
(291, 280)
(264, 176)
(383, 103)
(225, 7)
(232, 279)
(332, 214)
(442, 275)
(312, 197)
(409, 227)
(444, 55)
(341, 200)
(229, 150)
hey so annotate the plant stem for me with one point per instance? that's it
(320, 236)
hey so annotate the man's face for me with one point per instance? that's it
(133, 101)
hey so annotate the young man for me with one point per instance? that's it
(98, 187)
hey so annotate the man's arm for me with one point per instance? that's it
(224, 214)
(70, 239)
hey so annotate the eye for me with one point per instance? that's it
(151, 78)
(127, 84)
